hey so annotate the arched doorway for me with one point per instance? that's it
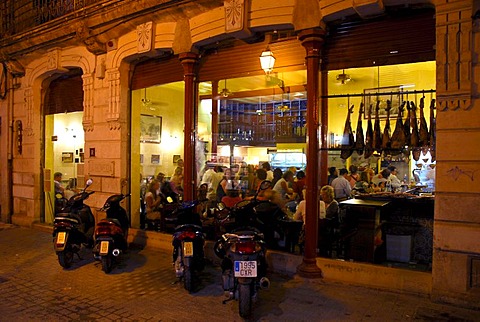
(63, 137)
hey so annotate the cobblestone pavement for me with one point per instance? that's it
(141, 287)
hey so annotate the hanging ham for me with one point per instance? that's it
(359, 138)
(399, 139)
(415, 138)
(406, 126)
(348, 141)
(423, 131)
(432, 134)
(377, 134)
(368, 150)
(386, 130)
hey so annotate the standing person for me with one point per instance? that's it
(282, 188)
(176, 181)
(207, 177)
(380, 180)
(395, 182)
(332, 174)
(299, 185)
(354, 176)
(60, 200)
(266, 166)
(57, 180)
(342, 186)
(251, 180)
(277, 175)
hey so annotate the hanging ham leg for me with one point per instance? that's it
(369, 136)
(433, 128)
(398, 137)
(348, 141)
(377, 134)
(415, 138)
(359, 138)
(423, 131)
(386, 130)
(406, 126)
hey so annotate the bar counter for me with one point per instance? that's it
(390, 227)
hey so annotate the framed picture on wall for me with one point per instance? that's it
(150, 128)
(155, 159)
(67, 157)
(382, 94)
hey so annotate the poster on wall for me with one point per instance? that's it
(155, 159)
(150, 128)
(391, 93)
(67, 157)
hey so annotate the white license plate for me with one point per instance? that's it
(61, 238)
(245, 268)
(187, 249)
(104, 247)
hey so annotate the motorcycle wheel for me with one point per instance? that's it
(245, 300)
(65, 258)
(107, 263)
(187, 279)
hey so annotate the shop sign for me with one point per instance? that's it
(101, 168)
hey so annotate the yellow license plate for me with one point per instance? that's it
(104, 247)
(61, 238)
(187, 249)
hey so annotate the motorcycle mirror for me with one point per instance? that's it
(89, 182)
(221, 206)
(265, 185)
(169, 199)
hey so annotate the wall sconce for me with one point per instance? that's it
(267, 60)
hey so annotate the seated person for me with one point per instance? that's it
(152, 201)
(232, 198)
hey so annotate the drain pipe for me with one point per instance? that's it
(10, 146)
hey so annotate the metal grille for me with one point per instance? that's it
(17, 16)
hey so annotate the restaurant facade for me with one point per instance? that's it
(119, 91)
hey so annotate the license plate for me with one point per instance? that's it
(104, 247)
(245, 268)
(187, 249)
(61, 238)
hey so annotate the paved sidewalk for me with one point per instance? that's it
(142, 287)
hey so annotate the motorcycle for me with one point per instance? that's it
(111, 233)
(243, 255)
(73, 227)
(188, 242)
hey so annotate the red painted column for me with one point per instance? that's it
(188, 61)
(323, 129)
(312, 40)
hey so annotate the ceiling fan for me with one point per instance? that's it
(149, 104)
(224, 93)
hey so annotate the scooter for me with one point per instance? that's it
(188, 242)
(243, 254)
(111, 233)
(73, 227)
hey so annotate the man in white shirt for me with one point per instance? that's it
(342, 186)
(394, 181)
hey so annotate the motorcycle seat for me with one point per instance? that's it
(72, 220)
(185, 226)
(115, 221)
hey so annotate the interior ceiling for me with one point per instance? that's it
(246, 89)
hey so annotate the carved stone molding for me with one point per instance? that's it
(28, 107)
(113, 113)
(88, 102)
(94, 46)
(454, 102)
(144, 37)
(454, 56)
(234, 15)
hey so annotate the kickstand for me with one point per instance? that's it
(176, 281)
